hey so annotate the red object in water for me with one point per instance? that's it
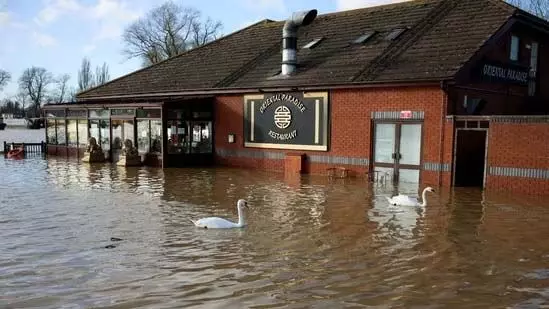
(16, 153)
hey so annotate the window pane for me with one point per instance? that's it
(72, 138)
(116, 134)
(143, 136)
(202, 141)
(178, 137)
(61, 135)
(148, 113)
(99, 113)
(156, 136)
(514, 48)
(410, 144)
(384, 143)
(55, 113)
(78, 113)
(94, 130)
(82, 132)
(123, 112)
(104, 131)
(50, 132)
(127, 131)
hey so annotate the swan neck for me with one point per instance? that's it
(424, 198)
(241, 217)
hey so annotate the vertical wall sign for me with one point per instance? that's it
(287, 121)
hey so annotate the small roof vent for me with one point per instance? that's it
(365, 37)
(313, 43)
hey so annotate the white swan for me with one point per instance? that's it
(220, 223)
(405, 200)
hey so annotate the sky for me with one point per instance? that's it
(58, 34)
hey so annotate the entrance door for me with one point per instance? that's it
(397, 150)
(470, 158)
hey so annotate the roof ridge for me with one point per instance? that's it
(397, 47)
(176, 56)
(381, 6)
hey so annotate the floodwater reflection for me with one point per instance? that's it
(311, 242)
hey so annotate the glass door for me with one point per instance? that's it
(397, 151)
(384, 150)
(409, 153)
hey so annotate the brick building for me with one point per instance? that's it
(441, 92)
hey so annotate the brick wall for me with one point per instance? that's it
(350, 127)
(518, 155)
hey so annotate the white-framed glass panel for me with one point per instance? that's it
(410, 144)
(514, 50)
(384, 142)
(83, 132)
(105, 136)
(143, 136)
(94, 130)
(156, 136)
(72, 134)
(50, 132)
(127, 131)
(117, 139)
(61, 132)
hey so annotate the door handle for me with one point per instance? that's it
(393, 155)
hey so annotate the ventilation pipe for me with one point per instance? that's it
(289, 39)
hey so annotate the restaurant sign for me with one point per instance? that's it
(287, 121)
(504, 73)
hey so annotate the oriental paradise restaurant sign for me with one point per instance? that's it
(287, 121)
(504, 73)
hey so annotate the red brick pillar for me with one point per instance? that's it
(293, 163)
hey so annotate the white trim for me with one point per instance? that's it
(252, 121)
(287, 146)
(317, 121)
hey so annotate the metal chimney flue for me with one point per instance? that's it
(289, 39)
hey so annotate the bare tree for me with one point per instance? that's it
(5, 77)
(102, 74)
(62, 90)
(22, 98)
(539, 8)
(166, 31)
(85, 76)
(34, 83)
(72, 94)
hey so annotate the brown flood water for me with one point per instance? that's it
(310, 242)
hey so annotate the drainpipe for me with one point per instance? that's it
(289, 39)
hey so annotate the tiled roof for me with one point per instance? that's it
(441, 36)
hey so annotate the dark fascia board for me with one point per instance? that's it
(533, 21)
(229, 91)
(102, 104)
